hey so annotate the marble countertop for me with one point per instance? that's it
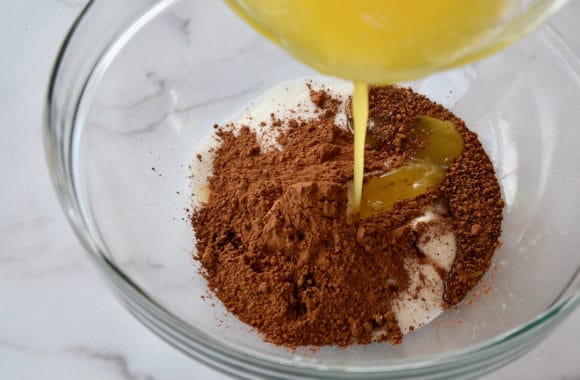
(58, 320)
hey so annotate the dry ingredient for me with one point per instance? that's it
(280, 249)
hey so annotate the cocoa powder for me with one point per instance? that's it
(280, 249)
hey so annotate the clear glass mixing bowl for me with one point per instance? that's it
(138, 85)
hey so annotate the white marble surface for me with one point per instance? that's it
(57, 318)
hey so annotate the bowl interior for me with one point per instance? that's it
(158, 91)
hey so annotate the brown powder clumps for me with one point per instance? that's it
(280, 250)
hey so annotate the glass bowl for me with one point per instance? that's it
(132, 97)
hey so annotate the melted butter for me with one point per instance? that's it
(427, 169)
(360, 115)
(444, 144)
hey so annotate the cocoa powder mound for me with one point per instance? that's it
(280, 250)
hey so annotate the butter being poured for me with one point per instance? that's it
(376, 41)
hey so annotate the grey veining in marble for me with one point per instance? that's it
(57, 318)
